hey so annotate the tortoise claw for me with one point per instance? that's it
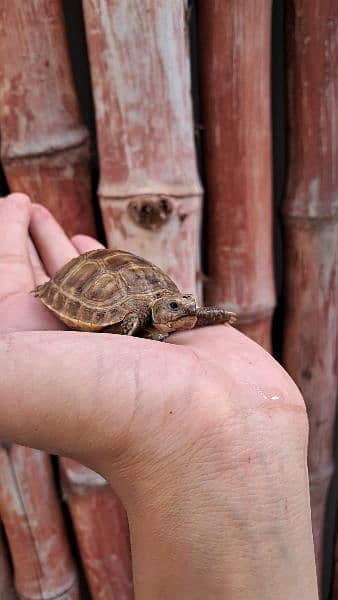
(155, 335)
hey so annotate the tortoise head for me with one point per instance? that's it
(174, 312)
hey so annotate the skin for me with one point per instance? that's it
(204, 438)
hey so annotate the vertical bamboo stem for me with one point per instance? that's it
(43, 567)
(311, 233)
(102, 532)
(6, 587)
(45, 153)
(149, 189)
(44, 146)
(234, 58)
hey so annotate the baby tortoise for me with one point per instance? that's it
(117, 292)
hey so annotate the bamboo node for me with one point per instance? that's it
(150, 212)
(74, 140)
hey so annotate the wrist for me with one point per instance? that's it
(222, 509)
(199, 549)
(227, 523)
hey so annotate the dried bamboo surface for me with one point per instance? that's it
(44, 146)
(6, 585)
(45, 153)
(311, 234)
(234, 59)
(149, 188)
(102, 531)
(43, 567)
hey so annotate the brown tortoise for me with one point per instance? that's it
(117, 292)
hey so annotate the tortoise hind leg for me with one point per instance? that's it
(39, 290)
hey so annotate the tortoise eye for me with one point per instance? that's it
(173, 305)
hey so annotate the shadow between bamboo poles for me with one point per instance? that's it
(43, 566)
(334, 595)
(311, 234)
(44, 146)
(234, 61)
(6, 584)
(149, 190)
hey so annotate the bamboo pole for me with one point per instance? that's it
(6, 586)
(234, 60)
(101, 529)
(102, 532)
(150, 195)
(45, 153)
(44, 146)
(43, 566)
(311, 234)
(149, 190)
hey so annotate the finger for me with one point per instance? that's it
(84, 243)
(39, 273)
(54, 247)
(15, 272)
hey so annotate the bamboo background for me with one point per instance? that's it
(98, 122)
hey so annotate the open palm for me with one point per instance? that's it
(217, 363)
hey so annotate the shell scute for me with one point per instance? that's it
(78, 279)
(118, 259)
(106, 289)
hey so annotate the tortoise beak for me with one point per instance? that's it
(192, 310)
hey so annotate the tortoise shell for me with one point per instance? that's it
(97, 289)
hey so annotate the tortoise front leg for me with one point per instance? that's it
(131, 324)
(211, 315)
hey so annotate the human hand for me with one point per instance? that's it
(21, 268)
(204, 438)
